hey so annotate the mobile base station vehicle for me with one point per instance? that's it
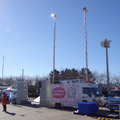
(114, 99)
(70, 94)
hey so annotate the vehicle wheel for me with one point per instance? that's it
(84, 101)
(58, 105)
(14, 101)
(112, 110)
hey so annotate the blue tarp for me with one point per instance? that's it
(87, 108)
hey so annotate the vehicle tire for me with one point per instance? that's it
(14, 101)
(105, 104)
(112, 110)
(58, 105)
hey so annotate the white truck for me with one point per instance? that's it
(11, 94)
(69, 94)
(114, 99)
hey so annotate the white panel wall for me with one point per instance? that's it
(45, 93)
(22, 92)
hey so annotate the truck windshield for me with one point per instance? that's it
(96, 91)
(114, 94)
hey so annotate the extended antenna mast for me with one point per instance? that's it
(54, 16)
(86, 10)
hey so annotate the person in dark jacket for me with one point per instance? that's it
(4, 101)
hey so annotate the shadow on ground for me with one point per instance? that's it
(13, 114)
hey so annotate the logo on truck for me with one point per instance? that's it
(58, 92)
(72, 92)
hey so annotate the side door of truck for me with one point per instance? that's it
(86, 95)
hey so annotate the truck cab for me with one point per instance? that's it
(91, 93)
(114, 99)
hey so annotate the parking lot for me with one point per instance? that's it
(20, 112)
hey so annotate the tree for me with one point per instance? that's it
(57, 76)
(69, 74)
(9, 81)
(101, 80)
(91, 77)
(38, 85)
(116, 80)
(30, 81)
(64, 74)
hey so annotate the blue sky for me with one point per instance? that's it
(26, 35)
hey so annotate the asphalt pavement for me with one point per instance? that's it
(30, 112)
(20, 112)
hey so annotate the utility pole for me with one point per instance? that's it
(23, 74)
(106, 44)
(3, 67)
(54, 17)
(86, 55)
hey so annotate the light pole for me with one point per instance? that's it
(86, 10)
(54, 17)
(23, 74)
(3, 67)
(106, 44)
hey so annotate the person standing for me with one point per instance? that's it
(4, 101)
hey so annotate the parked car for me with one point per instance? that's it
(114, 99)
